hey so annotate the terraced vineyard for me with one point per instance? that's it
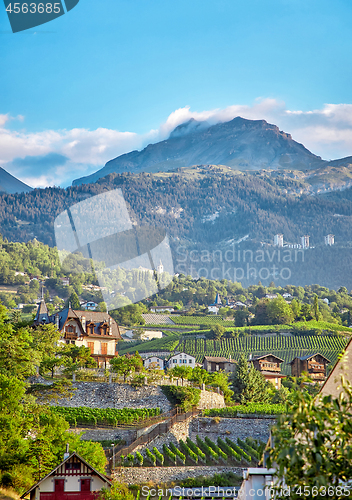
(242, 453)
(285, 347)
(110, 416)
(201, 320)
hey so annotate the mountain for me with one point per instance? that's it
(9, 184)
(240, 144)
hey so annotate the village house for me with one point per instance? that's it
(96, 330)
(269, 366)
(89, 305)
(151, 334)
(153, 362)
(181, 358)
(73, 479)
(215, 364)
(314, 365)
(214, 308)
(160, 309)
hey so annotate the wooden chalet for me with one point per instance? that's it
(269, 366)
(314, 365)
(215, 364)
(73, 479)
(96, 330)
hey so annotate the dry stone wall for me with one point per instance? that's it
(103, 395)
(232, 428)
(158, 475)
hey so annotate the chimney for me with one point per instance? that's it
(83, 321)
(67, 452)
(57, 321)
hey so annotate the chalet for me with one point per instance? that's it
(181, 358)
(215, 364)
(153, 362)
(314, 365)
(96, 330)
(73, 479)
(214, 308)
(269, 366)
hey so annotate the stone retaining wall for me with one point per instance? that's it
(103, 395)
(158, 475)
(232, 428)
(210, 400)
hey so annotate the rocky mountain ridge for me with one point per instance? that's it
(240, 144)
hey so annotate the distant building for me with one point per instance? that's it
(279, 240)
(181, 358)
(271, 296)
(73, 479)
(159, 309)
(329, 239)
(150, 334)
(314, 365)
(89, 305)
(160, 268)
(269, 366)
(305, 241)
(215, 364)
(214, 308)
(65, 281)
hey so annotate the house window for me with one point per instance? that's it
(104, 348)
(185, 360)
(73, 466)
(190, 360)
(91, 347)
(217, 368)
(90, 329)
(174, 361)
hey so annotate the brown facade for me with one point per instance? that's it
(314, 366)
(270, 366)
(216, 364)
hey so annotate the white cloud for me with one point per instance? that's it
(327, 132)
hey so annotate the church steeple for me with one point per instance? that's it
(42, 316)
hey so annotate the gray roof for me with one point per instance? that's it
(309, 356)
(218, 359)
(98, 318)
(254, 358)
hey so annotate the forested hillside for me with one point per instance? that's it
(212, 208)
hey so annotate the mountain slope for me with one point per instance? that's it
(239, 143)
(9, 184)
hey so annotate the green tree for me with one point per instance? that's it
(73, 300)
(312, 446)
(241, 317)
(217, 331)
(279, 311)
(316, 307)
(248, 384)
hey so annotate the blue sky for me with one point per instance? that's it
(111, 76)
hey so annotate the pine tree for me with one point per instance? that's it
(249, 385)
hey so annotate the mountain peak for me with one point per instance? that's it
(240, 143)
